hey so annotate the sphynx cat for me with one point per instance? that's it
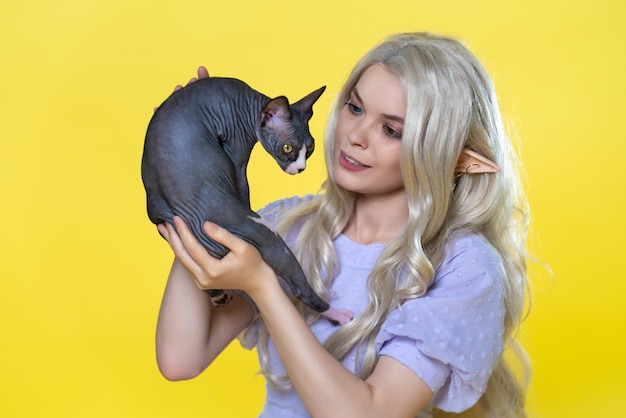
(194, 164)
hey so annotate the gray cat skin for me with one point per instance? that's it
(196, 152)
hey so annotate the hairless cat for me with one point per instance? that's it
(194, 164)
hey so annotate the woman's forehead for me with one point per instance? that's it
(381, 89)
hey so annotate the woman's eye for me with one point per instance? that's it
(389, 131)
(354, 109)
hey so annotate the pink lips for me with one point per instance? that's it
(350, 163)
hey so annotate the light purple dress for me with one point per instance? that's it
(451, 337)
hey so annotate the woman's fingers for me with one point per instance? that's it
(181, 253)
(221, 235)
(206, 268)
(191, 244)
(203, 72)
(234, 270)
(162, 228)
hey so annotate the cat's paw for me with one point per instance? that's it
(221, 299)
(338, 316)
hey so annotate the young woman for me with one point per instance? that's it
(420, 231)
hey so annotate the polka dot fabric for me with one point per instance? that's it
(451, 337)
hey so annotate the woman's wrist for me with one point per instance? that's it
(264, 285)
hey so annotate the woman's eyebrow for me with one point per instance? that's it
(399, 119)
(393, 117)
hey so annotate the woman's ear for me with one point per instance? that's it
(471, 162)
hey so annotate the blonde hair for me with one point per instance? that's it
(451, 105)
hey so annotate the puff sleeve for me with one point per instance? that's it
(452, 337)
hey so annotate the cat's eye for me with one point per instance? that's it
(287, 148)
(310, 148)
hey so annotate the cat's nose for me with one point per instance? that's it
(295, 168)
(299, 165)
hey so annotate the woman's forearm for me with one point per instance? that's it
(190, 332)
(326, 387)
(183, 326)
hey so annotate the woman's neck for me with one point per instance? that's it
(377, 219)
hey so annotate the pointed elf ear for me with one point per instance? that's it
(471, 162)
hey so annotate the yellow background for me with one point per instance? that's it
(82, 270)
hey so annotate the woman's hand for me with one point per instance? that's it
(242, 268)
(202, 73)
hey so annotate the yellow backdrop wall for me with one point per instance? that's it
(82, 270)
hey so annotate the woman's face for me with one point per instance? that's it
(368, 135)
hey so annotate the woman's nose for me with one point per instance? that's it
(358, 134)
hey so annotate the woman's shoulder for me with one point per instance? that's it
(463, 241)
(452, 335)
(469, 254)
(273, 211)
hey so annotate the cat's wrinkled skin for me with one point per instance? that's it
(194, 164)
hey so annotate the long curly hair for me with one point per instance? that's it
(451, 105)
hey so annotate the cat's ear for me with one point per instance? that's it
(277, 108)
(306, 103)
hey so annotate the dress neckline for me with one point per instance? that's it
(358, 244)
